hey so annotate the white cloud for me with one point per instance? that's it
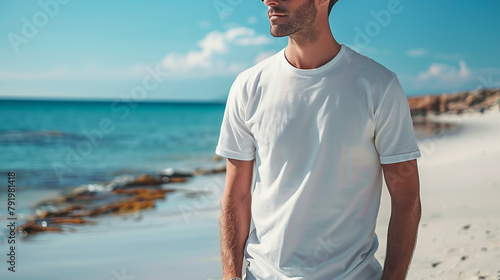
(421, 52)
(233, 33)
(441, 77)
(209, 58)
(446, 73)
(212, 57)
(257, 40)
(424, 52)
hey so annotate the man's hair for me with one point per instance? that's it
(330, 5)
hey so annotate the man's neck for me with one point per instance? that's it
(304, 54)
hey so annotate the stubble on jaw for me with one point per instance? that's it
(300, 25)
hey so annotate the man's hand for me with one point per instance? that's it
(235, 215)
(403, 184)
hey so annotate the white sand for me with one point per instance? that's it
(460, 190)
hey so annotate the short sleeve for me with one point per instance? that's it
(395, 138)
(235, 139)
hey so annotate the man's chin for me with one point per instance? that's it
(276, 33)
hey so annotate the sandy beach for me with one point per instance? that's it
(459, 236)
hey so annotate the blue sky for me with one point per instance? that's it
(193, 50)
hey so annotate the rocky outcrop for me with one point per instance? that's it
(123, 195)
(457, 102)
(144, 193)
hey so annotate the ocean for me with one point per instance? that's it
(53, 144)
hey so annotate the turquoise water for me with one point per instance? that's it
(52, 144)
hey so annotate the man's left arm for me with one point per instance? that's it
(403, 185)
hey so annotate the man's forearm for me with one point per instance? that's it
(234, 227)
(401, 238)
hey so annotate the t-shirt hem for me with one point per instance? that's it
(232, 154)
(400, 157)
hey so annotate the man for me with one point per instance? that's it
(321, 123)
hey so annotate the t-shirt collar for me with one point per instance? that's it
(309, 72)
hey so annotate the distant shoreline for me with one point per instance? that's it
(456, 102)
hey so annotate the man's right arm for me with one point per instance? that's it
(235, 215)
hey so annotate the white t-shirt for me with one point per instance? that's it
(319, 137)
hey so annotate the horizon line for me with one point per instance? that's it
(105, 100)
